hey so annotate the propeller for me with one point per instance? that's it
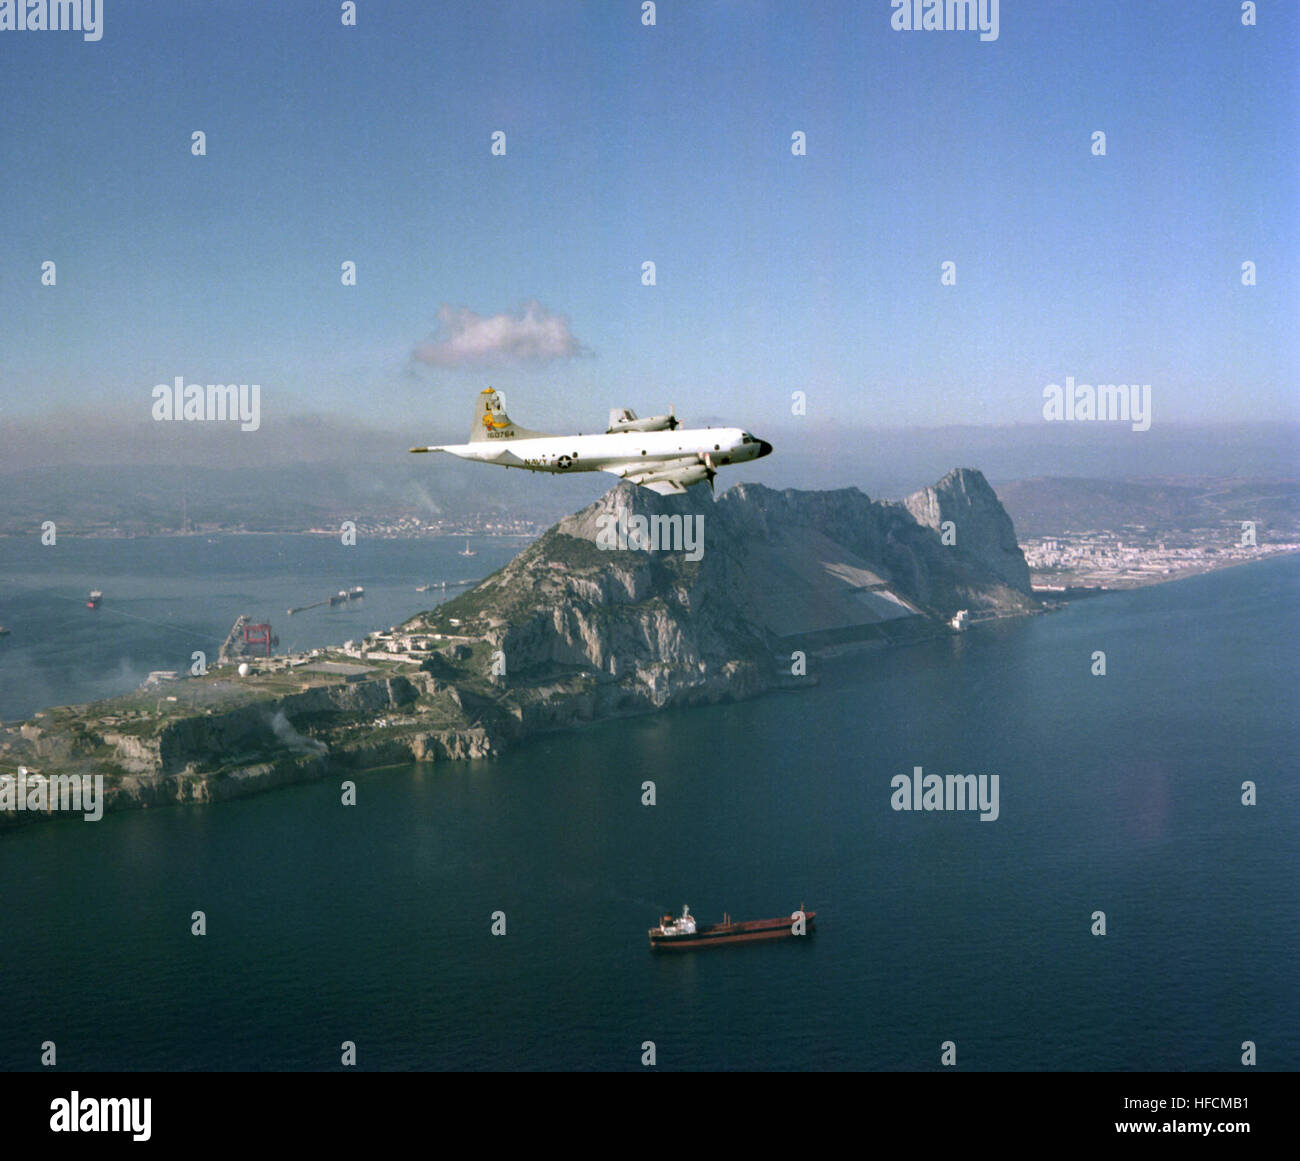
(712, 471)
(673, 422)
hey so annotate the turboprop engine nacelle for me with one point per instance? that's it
(684, 476)
(624, 419)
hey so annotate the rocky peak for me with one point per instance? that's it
(982, 529)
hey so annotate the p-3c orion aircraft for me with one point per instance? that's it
(656, 453)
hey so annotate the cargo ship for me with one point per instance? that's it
(684, 933)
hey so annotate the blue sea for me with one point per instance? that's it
(167, 597)
(373, 923)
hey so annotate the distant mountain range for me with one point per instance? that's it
(1052, 506)
(304, 496)
(275, 498)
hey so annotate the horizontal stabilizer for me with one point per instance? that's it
(497, 455)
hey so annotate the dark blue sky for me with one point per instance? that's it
(624, 144)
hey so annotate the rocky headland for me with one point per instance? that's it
(636, 603)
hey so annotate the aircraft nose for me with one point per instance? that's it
(764, 448)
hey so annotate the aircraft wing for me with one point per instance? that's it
(667, 477)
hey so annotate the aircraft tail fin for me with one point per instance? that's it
(492, 422)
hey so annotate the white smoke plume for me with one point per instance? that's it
(294, 740)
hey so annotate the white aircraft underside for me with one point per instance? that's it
(667, 462)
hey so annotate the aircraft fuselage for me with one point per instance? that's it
(636, 449)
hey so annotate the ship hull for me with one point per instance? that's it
(720, 934)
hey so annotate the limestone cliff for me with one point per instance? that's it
(982, 532)
(768, 570)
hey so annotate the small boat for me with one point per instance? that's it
(95, 597)
(339, 597)
(3, 631)
(355, 591)
(423, 588)
(467, 551)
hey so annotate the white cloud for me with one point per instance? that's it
(467, 339)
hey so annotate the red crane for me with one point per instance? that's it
(259, 637)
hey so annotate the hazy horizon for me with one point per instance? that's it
(805, 456)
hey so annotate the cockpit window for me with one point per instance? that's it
(745, 437)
